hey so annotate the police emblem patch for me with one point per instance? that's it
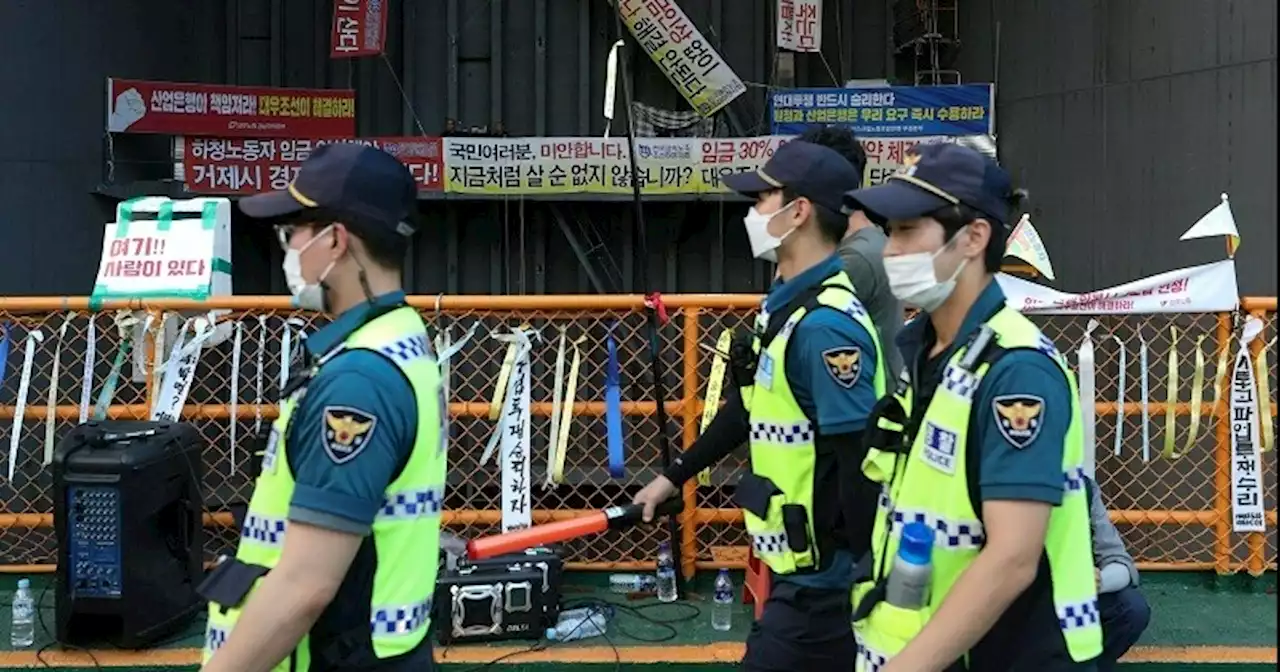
(346, 432)
(844, 364)
(1019, 417)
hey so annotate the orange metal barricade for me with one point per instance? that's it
(1174, 514)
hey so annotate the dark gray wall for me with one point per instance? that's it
(1126, 119)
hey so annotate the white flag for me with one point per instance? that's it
(1025, 244)
(1217, 222)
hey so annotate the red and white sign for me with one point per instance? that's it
(1207, 288)
(800, 25)
(359, 28)
(250, 165)
(173, 108)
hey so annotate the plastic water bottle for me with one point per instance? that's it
(579, 624)
(666, 574)
(23, 633)
(632, 583)
(722, 608)
(912, 572)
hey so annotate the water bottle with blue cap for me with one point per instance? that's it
(908, 586)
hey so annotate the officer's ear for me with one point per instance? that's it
(974, 243)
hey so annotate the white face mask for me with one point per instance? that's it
(914, 279)
(763, 244)
(306, 295)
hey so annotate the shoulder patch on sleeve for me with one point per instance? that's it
(844, 364)
(346, 432)
(1019, 417)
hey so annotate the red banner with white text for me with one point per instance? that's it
(359, 28)
(248, 166)
(184, 108)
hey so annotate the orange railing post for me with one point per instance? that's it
(689, 419)
(1222, 460)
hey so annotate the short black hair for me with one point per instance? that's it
(955, 217)
(385, 248)
(831, 224)
(843, 142)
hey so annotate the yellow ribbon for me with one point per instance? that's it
(1264, 397)
(1171, 398)
(1220, 378)
(557, 400)
(566, 412)
(715, 385)
(504, 374)
(1197, 398)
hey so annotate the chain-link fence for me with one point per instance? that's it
(1174, 512)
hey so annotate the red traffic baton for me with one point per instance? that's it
(612, 518)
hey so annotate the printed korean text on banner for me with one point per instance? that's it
(1246, 464)
(598, 165)
(1208, 288)
(885, 155)
(888, 112)
(800, 25)
(359, 28)
(695, 69)
(184, 108)
(161, 248)
(248, 165)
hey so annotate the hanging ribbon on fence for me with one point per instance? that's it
(512, 432)
(51, 397)
(1264, 397)
(139, 364)
(181, 369)
(1088, 399)
(24, 386)
(613, 407)
(159, 357)
(1120, 390)
(446, 348)
(1246, 468)
(125, 321)
(236, 344)
(259, 374)
(1220, 375)
(557, 401)
(286, 342)
(504, 375)
(4, 349)
(1197, 398)
(715, 386)
(1145, 389)
(1171, 398)
(86, 378)
(566, 412)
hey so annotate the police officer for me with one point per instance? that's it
(336, 564)
(805, 382)
(982, 443)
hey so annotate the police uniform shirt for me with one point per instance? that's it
(837, 405)
(1012, 465)
(341, 480)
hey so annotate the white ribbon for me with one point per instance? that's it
(1120, 393)
(24, 386)
(1088, 400)
(86, 380)
(1246, 469)
(1146, 394)
(557, 400)
(446, 348)
(235, 388)
(513, 433)
(51, 397)
(140, 363)
(284, 355)
(257, 379)
(181, 369)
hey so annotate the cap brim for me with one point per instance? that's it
(894, 200)
(270, 204)
(747, 184)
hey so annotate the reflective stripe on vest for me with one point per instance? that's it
(782, 436)
(931, 485)
(406, 531)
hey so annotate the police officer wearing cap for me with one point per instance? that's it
(804, 381)
(336, 564)
(981, 441)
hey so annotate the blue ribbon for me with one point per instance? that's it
(613, 408)
(4, 351)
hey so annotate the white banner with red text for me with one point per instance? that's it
(1207, 288)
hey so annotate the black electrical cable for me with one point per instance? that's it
(40, 608)
(658, 371)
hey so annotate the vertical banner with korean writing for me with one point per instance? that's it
(684, 56)
(1246, 468)
(800, 25)
(359, 28)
